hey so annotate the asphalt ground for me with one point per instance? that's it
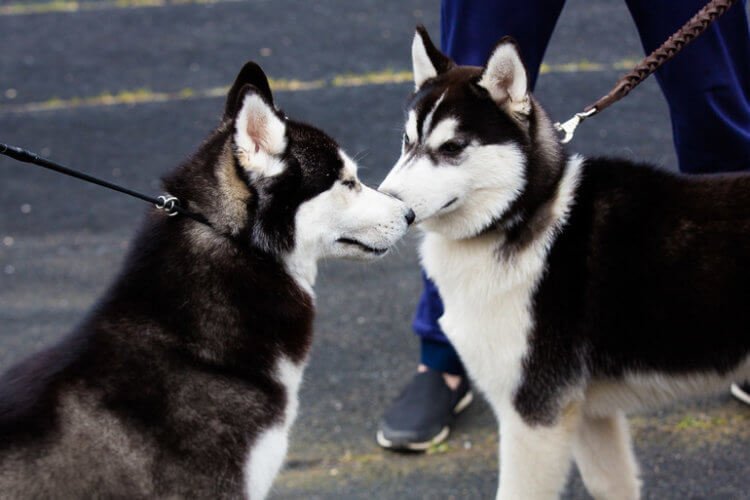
(126, 89)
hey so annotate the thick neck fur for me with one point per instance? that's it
(228, 299)
(214, 299)
(546, 162)
(211, 184)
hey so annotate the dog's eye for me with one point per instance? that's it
(406, 140)
(349, 183)
(453, 147)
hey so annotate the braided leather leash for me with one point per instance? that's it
(674, 44)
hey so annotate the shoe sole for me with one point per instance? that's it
(738, 393)
(465, 401)
(425, 445)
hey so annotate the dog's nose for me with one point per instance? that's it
(410, 216)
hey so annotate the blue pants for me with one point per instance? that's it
(707, 88)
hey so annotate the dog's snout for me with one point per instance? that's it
(410, 216)
(391, 194)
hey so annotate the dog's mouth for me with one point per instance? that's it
(451, 202)
(362, 246)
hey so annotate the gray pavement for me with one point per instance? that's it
(61, 242)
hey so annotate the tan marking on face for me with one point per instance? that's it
(234, 193)
(349, 173)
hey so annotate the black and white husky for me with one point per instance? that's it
(575, 289)
(183, 381)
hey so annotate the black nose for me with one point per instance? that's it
(410, 216)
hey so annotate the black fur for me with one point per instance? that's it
(179, 356)
(440, 61)
(250, 75)
(649, 275)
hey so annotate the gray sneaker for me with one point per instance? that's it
(422, 415)
(741, 391)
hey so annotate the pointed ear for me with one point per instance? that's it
(250, 74)
(259, 132)
(427, 60)
(505, 78)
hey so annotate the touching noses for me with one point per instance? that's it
(410, 215)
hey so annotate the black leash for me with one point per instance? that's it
(168, 203)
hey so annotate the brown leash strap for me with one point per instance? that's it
(674, 44)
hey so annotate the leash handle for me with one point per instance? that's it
(674, 44)
(169, 204)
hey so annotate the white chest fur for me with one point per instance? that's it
(267, 453)
(487, 296)
(487, 315)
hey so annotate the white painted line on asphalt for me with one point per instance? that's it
(70, 6)
(375, 78)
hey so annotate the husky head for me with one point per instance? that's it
(283, 187)
(478, 152)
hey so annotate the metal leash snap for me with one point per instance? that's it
(168, 203)
(674, 44)
(568, 128)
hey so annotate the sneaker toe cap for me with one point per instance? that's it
(404, 438)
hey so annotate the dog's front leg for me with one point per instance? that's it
(535, 459)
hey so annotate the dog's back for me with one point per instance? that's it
(29, 420)
(645, 289)
(655, 266)
(57, 437)
(126, 404)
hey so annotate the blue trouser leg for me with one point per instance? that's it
(436, 351)
(470, 30)
(707, 85)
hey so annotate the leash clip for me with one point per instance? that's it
(168, 203)
(568, 128)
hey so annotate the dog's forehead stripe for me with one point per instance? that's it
(427, 123)
(445, 130)
(411, 126)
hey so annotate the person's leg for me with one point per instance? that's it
(422, 413)
(707, 85)
(436, 351)
(420, 416)
(471, 29)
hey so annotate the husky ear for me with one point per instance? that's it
(427, 60)
(259, 132)
(505, 78)
(250, 74)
